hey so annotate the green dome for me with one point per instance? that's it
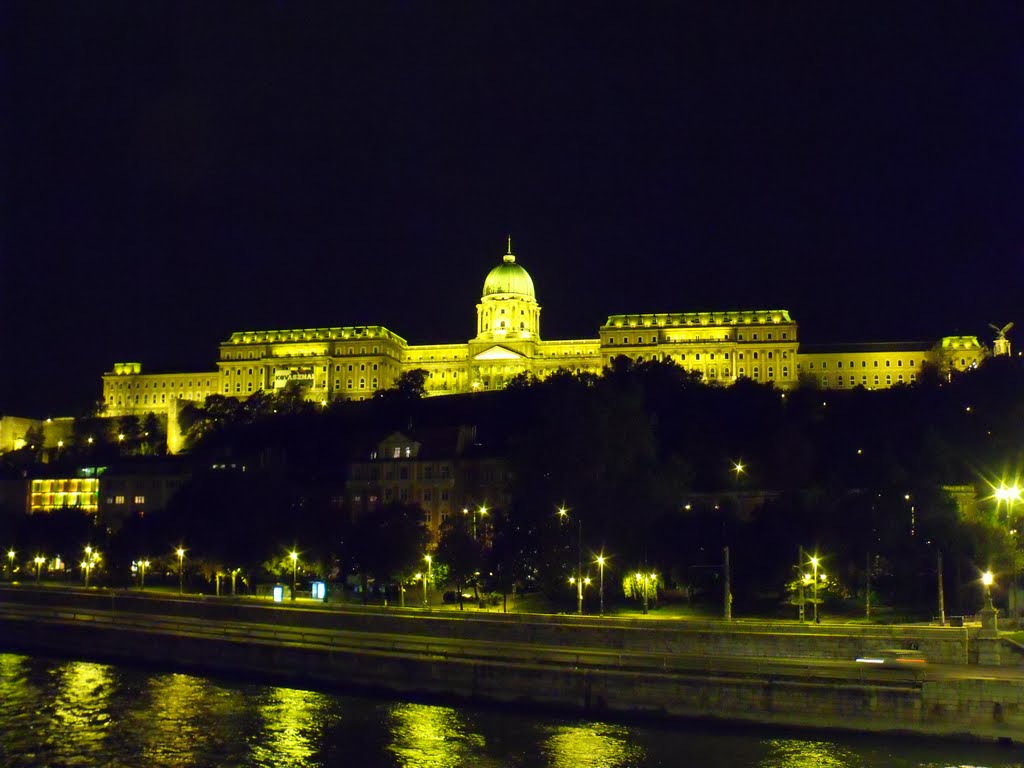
(509, 277)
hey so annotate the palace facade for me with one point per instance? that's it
(353, 362)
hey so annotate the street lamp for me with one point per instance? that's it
(180, 552)
(426, 581)
(814, 563)
(39, 562)
(91, 557)
(482, 511)
(600, 565)
(987, 578)
(564, 514)
(738, 468)
(579, 584)
(143, 565)
(295, 560)
(1010, 494)
(10, 562)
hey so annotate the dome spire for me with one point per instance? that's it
(509, 257)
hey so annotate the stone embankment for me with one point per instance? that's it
(799, 675)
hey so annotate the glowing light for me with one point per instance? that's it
(987, 578)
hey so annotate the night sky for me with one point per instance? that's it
(173, 172)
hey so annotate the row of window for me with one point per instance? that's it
(863, 364)
(864, 380)
(259, 355)
(121, 499)
(160, 385)
(654, 339)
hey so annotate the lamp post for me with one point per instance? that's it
(987, 578)
(600, 565)
(10, 563)
(426, 581)
(180, 552)
(814, 564)
(482, 511)
(1010, 494)
(564, 514)
(87, 564)
(295, 560)
(143, 565)
(39, 562)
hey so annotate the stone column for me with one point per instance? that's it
(988, 637)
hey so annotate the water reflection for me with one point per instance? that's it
(70, 713)
(294, 725)
(592, 745)
(434, 737)
(800, 753)
(79, 710)
(181, 720)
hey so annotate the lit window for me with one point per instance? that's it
(119, 499)
(140, 499)
(398, 452)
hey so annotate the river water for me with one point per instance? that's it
(61, 713)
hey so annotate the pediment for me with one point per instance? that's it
(498, 352)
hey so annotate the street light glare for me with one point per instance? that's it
(987, 578)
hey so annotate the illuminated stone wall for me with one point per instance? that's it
(720, 346)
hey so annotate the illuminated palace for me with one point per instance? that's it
(353, 362)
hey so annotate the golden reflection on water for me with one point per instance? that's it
(800, 753)
(591, 745)
(80, 710)
(180, 718)
(434, 737)
(294, 722)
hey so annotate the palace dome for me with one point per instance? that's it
(509, 277)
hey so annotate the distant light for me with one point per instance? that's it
(987, 578)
